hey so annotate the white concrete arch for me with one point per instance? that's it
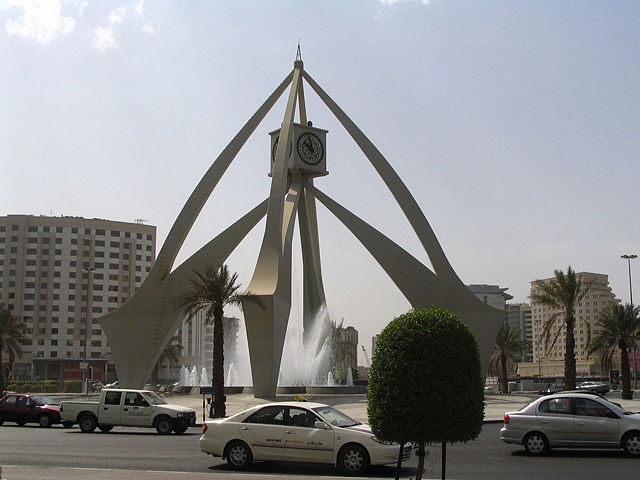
(150, 314)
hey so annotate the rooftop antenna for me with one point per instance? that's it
(298, 54)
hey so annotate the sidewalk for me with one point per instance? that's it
(355, 405)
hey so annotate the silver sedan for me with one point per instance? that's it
(572, 420)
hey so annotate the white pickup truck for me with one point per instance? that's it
(132, 408)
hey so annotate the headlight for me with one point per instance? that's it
(180, 414)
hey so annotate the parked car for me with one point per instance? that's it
(565, 420)
(97, 386)
(297, 432)
(132, 408)
(596, 387)
(24, 408)
(553, 388)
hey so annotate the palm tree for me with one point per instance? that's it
(562, 294)
(212, 291)
(11, 339)
(171, 353)
(620, 330)
(508, 345)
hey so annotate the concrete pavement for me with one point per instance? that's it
(355, 405)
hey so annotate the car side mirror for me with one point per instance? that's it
(321, 426)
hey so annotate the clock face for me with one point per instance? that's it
(310, 148)
(275, 148)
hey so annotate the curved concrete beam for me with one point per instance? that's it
(150, 318)
(314, 299)
(266, 324)
(201, 193)
(400, 192)
(147, 314)
(417, 283)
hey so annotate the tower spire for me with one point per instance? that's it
(298, 63)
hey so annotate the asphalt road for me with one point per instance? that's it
(144, 451)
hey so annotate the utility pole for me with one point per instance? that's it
(628, 258)
(88, 322)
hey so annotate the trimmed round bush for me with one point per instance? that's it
(425, 384)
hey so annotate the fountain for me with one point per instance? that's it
(231, 376)
(204, 377)
(184, 377)
(330, 381)
(349, 377)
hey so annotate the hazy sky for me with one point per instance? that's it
(516, 126)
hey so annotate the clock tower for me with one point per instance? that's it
(306, 150)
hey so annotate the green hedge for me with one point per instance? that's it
(72, 386)
(27, 386)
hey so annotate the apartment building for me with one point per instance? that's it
(492, 295)
(58, 274)
(519, 316)
(548, 360)
(195, 336)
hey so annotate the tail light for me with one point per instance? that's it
(506, 419)
(204, 428)
(61, 408)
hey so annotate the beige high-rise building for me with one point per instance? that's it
(550, 360)
(57, 274)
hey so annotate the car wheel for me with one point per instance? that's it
(239, 455)
(44, 421)
(180, 428)
(164, 426)
(536, 443)
(67, 424)
(105, 428)
(353, 460)
(631, 444)
(88, 423)
(1, 420)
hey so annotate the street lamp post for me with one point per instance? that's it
(89, 271)
(628, 258)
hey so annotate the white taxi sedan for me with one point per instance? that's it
(297, 432)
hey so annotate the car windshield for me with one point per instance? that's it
(40, 400)
(153, 398)
(334, 417)
(616, 407)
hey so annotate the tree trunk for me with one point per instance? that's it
(570, 356)
(217, 370)
(625, 370)
(421, 453)
(2, 386)
(503, 371)
(444, 460)
(399, 464)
